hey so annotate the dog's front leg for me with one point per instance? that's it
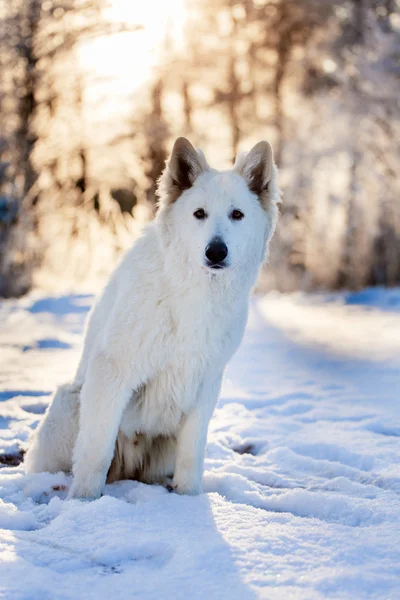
(192, 438)
(104, 396)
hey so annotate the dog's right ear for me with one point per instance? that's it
(184, 165)
(182, 169)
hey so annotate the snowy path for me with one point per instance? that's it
(302, 473)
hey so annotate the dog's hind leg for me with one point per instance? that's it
(158, 466)
(129, 457)
(52, 445)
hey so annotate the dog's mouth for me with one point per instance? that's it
(217, 266)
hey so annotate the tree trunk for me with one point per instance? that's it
(187, 106)
(26, 136)
(283, 53)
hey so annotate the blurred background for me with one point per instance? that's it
(93, 93)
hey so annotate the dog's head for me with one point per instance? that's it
(219, 221)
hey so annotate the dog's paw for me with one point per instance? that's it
(185, 487)
(89, 488)
(77, 493)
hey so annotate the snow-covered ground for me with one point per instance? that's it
(302, 480)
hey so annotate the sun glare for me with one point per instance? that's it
(130, 58)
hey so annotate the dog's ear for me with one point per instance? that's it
(182, 169)
(257, 167)
(185, 164)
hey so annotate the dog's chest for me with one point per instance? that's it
(157, 408)
(197, 329)
(195, 347)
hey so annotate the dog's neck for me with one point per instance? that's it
(225, 287)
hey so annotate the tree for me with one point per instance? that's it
(39, 39)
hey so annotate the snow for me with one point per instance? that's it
(302, 480)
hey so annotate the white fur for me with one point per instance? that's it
(158, 341)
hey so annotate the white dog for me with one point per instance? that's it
(158, 340)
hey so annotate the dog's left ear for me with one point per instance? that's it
(181, 171)
(257, 167)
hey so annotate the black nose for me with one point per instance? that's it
(216, 251)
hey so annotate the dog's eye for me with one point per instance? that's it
(200, 214)
(237, 215)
